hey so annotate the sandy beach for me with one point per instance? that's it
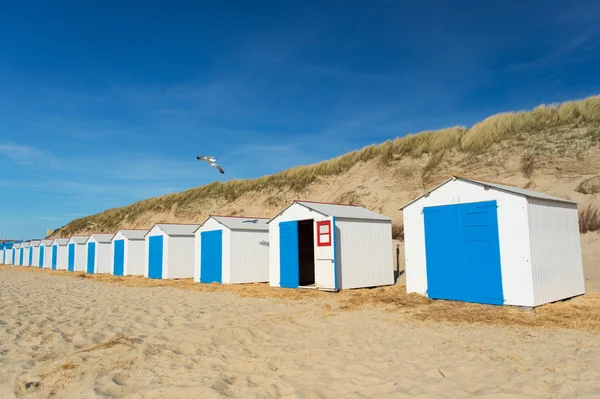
(73, 337)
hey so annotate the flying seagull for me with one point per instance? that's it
(212, 161)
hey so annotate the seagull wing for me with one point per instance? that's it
(218, 167)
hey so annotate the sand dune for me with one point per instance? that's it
(78, 338)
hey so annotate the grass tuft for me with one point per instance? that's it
(589, 219)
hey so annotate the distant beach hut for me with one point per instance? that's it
(77, 253)
(26, 260)
(60, 254)
(7, 253)
(99, 255)
(129, 252)
(330, 247)
(231, 250)
(16, 255)
(46, 254)
(170, 251)
(34, 253)
(4, 249)
(477, 241)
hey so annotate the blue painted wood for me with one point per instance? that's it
(211, 256)
(119, 256)
(462, 248)
(30, 256)
(54, 256)
(289, 258)
(21, 256)
(155, 257)
(42, 249)
(71, 263)
(91, 257)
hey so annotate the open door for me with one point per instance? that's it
(325, 254)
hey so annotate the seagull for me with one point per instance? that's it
(212, 161)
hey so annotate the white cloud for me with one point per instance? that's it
(21, 154)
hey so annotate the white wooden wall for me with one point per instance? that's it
(555, 250)
(365, 253)
(249, 257)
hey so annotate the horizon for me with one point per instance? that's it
(104, 105)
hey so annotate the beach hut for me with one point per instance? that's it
(330, 247)
(6, 254)
(16, 255)
(26, 260)
(60, 254)
(77, 253)
(477, 241)
(129, 253)
(231, 250)
(46, 254)
(99, 248)
(34, 253)
(170, 251)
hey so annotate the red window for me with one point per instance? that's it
(324, 233)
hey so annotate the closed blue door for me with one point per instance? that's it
(20, 256)
(211, 256)
(119, 252)
(289, 259)
(91, 257)
(71, 263)
(463, 253)
(13, 256)
(155, 256)
(42, 256)
(30, 256)
(54, 256)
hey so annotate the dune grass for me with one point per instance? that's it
(431, 144)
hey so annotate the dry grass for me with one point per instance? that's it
(398, 231)
(581, 313)
(433, 144)
(577, 314)
(589, 218)
(118, 340)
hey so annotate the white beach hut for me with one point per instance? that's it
(170, 251)
(129, 253)
(77, 253)
(99, 253)
(17, 253)
(60, 254)
(26, 249)
(34, 254)
(231, 250)
(476, 241)
(46, 254)
(330, 247)
(8, 253)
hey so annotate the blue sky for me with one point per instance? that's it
(103, 103)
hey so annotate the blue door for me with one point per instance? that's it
(211, 256)
(13, 256)
(20, 256)
(54, 256)
(463, 253)
(155, 256)
(91, 257)
(30, 256)
(42, 256)
(289, 258)
(71, 263)
(119, 263)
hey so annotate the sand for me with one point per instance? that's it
(67, 337)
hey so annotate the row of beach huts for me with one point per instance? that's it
(467, 240)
